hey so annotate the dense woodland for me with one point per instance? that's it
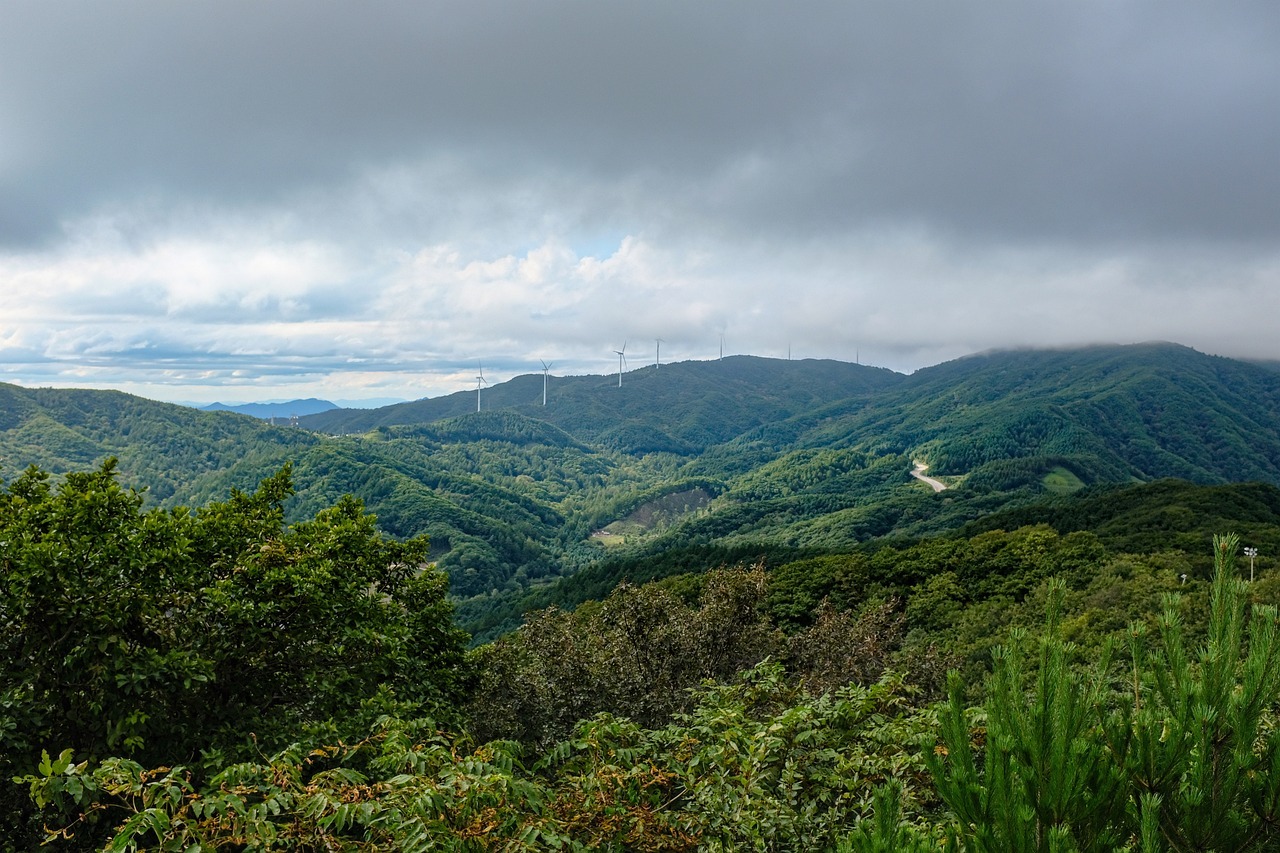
(787, 458)
(718, 613)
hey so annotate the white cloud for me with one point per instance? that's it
(370, 201)
(182, 316)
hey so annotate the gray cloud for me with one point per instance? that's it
(418, 184)
(1048, 120)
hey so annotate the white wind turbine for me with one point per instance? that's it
(480, 382)
(657, 354)
(545, 367)
(622, 360)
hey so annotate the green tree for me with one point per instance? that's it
(756, 765)
(178, 636)
(636, 654)
(1185, 756)
(1046, 781)
(1198, 740)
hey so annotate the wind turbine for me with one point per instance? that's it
(480, 381)
(722, 346)
(657, 354)
(622, 360)
(545, 368)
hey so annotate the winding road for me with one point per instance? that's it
(918, 473)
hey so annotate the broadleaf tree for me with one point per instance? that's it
(207, 636)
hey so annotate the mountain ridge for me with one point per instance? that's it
(722, 394)
(263, 411)
(807, 455)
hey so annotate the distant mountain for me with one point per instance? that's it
(265, 411)
(683, 407)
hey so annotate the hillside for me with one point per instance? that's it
(698, 462)
(996, 426)
(1149, 411)
(167, 449)
(683, 407)
(1164, 515)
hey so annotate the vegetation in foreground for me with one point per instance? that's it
(205, 637)
(220, 680)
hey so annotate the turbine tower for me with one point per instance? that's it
(622, 360)
(657, 354)
(480, 382)
(545, 367)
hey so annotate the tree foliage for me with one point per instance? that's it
(621, 726)
(178, 636)
(1182, 756)
(641, 651)
(755, 765)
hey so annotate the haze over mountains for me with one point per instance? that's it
(294, 408)
(740, 454)
(285, 409)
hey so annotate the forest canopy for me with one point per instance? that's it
(219, 677)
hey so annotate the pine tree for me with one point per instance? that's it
(1046, 782)
(1186, 757)
(1191, 738)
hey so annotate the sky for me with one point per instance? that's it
(245, 201)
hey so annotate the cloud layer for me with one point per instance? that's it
(242, 200)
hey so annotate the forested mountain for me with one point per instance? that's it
(684, 407)
(1139, 412)
(1145, 411)
(696, 463)
(165, 448)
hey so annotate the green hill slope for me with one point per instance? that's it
(1134, 412)
(167, 449)
(701, 459)
(684, 407)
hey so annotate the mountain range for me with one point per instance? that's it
(731, 457)
(286, 410)
(289, 409)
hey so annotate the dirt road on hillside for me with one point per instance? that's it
(918, 473)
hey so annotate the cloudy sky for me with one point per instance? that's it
(254, 200)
